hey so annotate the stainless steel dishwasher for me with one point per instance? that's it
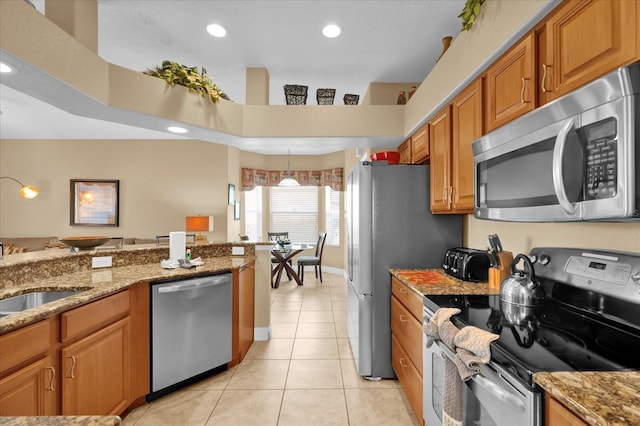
(190, 330)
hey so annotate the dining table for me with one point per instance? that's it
(283, 255)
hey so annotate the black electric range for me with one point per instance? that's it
(590, 320)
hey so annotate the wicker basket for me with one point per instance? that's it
(295, 94)
(350, 99)
(325, 96)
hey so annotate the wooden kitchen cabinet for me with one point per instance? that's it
(558, 415)
(96, 374)
(30, 391)
(510, 84)
(404, 149)
(420, 145)
(243, 312)
(96, 357)
(29, 381)
(583, 40)
(406, 342)
(452, 131)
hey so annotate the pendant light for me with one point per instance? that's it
(289, 181)
(26, 192)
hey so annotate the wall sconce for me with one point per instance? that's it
(26, 192)
(199, 224)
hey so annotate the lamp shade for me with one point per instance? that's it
(199, 224)
(26, 192)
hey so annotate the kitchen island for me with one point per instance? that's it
(111, 302)
(597, 398)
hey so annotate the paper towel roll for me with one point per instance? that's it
(177, 245)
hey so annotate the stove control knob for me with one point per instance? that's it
(636, 278)
(544, 260)
(533, 258)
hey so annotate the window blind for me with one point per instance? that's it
(295, 210)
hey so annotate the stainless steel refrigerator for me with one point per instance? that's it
(389, 225)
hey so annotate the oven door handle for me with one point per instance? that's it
(498, 392)
(556, 167)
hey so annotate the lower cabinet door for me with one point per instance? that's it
(96, 372)
(408, 376)
(30, 391)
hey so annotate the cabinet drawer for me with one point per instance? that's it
(408, 375)
(95, 315)
(24, 344)
(408, 331)
(409, 298)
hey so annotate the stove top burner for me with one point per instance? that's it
(553, 337)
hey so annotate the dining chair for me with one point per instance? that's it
(277, 236)
(316, 260)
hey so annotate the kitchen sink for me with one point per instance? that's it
(26, 301)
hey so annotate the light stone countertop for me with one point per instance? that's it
(62, 421)
(599, 398)
(101, 282)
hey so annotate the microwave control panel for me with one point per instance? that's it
(602, 157)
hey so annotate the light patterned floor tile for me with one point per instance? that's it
(379, 407)
(260, 374)
(315, 349)
(314, 374)
(247, 408)
(271, 349)
(313, 408)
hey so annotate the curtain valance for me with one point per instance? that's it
(256, 177)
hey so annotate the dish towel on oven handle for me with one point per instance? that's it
(440, 328)
(472, 349)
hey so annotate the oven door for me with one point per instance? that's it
(490, 398)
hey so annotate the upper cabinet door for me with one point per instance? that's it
(405, 152)
(585, 39)
(420, 145)
(510, 84)
(467, 127)
(440, 163)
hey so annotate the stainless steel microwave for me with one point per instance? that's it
(574, 159)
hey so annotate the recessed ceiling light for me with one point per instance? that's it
(331, 31)
(216, 30)
(176, 129)
(4, 68)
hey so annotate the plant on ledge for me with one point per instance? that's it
(174, 73)
(469, 13)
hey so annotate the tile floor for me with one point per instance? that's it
(305, 375)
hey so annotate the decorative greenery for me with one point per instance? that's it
(189, 77)
(469, 13)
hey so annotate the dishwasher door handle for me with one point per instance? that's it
(192, 286)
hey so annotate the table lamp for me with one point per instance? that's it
(199, 224)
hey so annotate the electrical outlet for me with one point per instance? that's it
(237, 251)
(101, 262)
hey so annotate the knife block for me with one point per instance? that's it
(496, 275)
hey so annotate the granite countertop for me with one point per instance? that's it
(598, 398)
(62, 421)
(97, 283)
(436, 281)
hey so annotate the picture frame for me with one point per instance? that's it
(236, 210)
(231, 194)
(94, 202)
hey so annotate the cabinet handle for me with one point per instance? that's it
(524, 86)
(444, 194)
(403, 290)
(403, 318)
(73, 366)
(451, 194)
(403, 362)
(53, 376)
(544, 78)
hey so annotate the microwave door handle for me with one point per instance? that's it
(558, 179)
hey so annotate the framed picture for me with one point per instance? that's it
(94, 202)
(236, 210)
(232, 194)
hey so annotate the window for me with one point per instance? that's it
(253, 213)
(295, 210)
(332, 216)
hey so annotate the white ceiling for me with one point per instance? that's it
(381, 41)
